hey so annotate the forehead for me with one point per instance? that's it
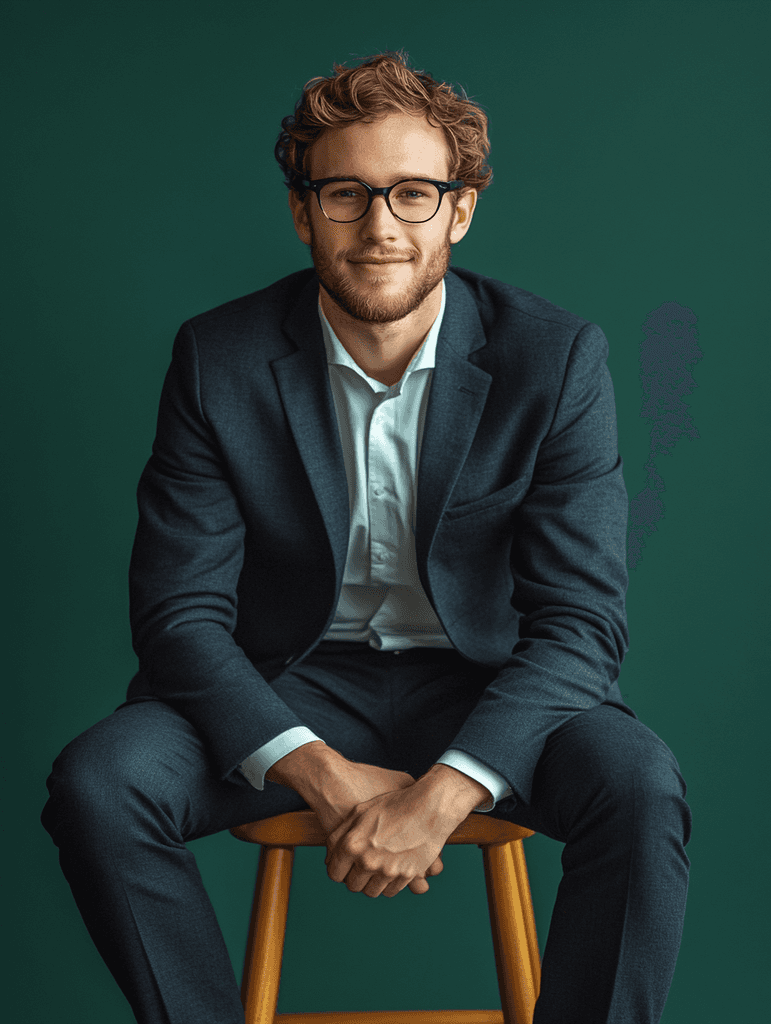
(389, 148)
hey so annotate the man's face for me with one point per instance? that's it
(381, 153)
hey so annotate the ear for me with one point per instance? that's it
(299, 210)
(464, 211)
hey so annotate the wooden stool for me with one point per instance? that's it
(511, 917)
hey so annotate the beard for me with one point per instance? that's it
(363, 302)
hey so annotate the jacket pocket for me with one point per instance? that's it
(510, 495)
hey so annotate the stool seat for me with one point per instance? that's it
(302, 828)
(511, 917)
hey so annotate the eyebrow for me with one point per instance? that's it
(405, 176)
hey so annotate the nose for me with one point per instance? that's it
(379, 222)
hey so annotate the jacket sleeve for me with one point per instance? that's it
(184, 572)
(568, 565)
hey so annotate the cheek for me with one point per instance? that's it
(327, 238)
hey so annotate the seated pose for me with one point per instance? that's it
(379, 572)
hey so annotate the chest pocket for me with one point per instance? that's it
(508, 496)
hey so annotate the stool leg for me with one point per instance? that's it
(265, 945)
(508, 914)
(523, 884)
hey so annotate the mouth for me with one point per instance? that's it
(378, 262)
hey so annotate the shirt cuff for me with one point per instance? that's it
(462, 762)
(254, 767)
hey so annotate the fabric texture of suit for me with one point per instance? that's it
(520, 522)
(236, 571)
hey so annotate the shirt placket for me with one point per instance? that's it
(384, 497)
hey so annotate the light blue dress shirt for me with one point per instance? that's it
(382, 601)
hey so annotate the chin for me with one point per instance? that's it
(383, 300)
(372, 306)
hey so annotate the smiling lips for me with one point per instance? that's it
(380, 260)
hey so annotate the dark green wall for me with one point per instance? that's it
(631, 168)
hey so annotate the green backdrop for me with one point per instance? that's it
(631, 162)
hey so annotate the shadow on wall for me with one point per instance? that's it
(668, 351)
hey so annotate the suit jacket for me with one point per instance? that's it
(520, 523)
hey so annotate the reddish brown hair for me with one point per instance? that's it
(381, 85)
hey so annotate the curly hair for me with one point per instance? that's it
(371, 90)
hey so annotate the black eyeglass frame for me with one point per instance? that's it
(317, 185)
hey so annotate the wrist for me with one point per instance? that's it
(456, 793)
(302, 767)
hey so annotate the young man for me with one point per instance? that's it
(380, 563)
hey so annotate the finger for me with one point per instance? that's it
(394, 887)
(358, 879)
(436, 868)
(339, 865)
(418, 886)
(379, 884)
(339, 833)
(334, 837)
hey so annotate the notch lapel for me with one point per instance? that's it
(456, 400)
(302, 378)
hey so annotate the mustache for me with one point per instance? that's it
(387, 254)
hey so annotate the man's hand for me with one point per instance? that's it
(333, 787)
(394, 839)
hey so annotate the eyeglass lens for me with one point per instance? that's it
(413, 201)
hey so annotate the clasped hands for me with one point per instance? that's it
(385, 829)
(387, 843)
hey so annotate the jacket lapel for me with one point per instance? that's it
(457, 398)
(302, 378)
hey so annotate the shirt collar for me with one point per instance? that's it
(424, 358)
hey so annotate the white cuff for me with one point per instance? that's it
(256, 764)
(462, 762)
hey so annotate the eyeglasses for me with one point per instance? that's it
(344, 200)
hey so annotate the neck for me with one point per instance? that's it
(383, 351)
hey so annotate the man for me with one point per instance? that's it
(380, 563)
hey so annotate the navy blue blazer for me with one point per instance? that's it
(520, 524)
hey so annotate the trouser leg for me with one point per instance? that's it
(125, 797)
(611, 790)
